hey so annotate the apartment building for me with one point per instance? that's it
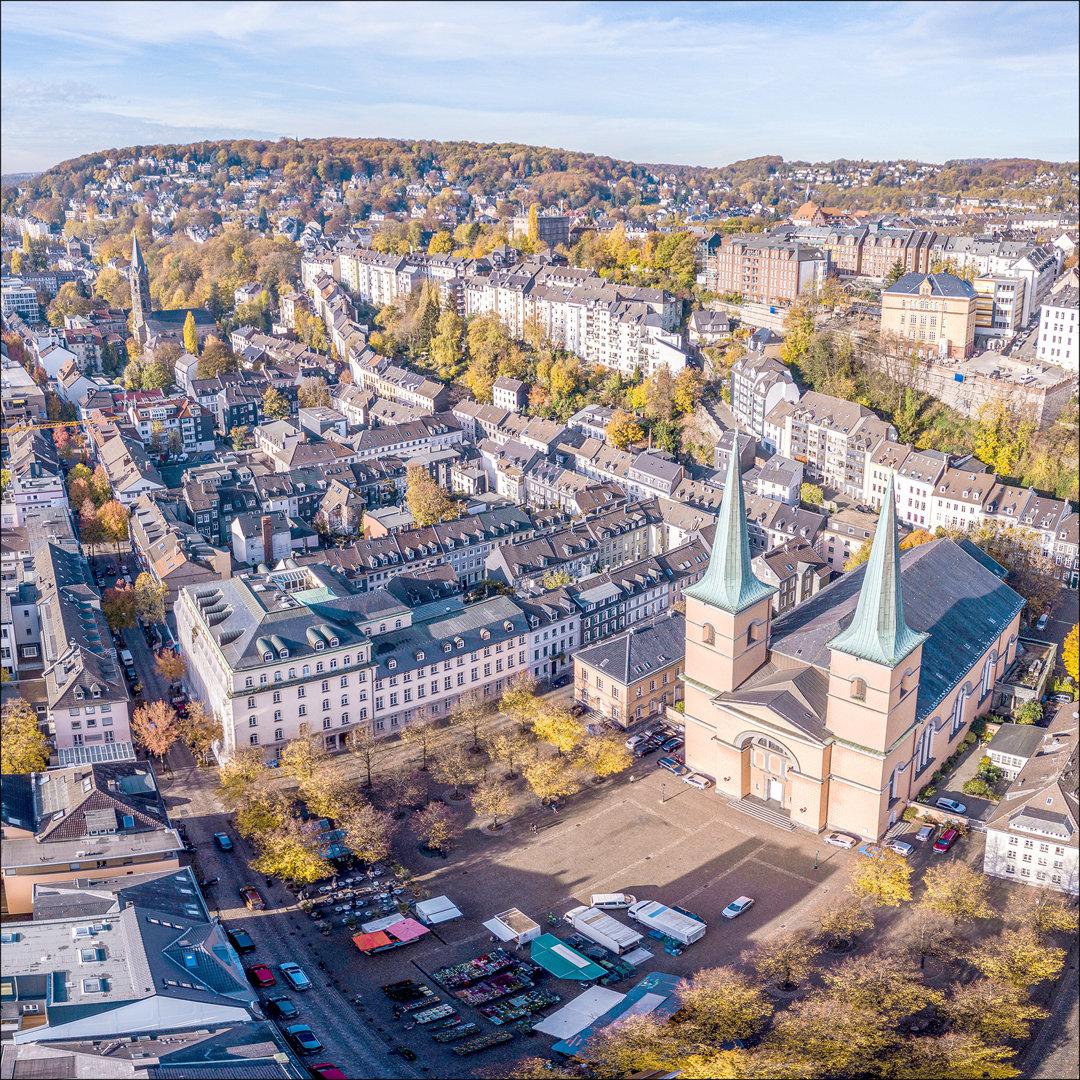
(554, 620)
(999, 305)
(758, 384)
(795, 570)
(388, 380)
(765, 269)
(1059, 330)
(635, 674)
(935, 313)
(959, 497)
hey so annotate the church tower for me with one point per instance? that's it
(728, 610)
(140, 289)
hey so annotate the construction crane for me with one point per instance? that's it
(39, 427)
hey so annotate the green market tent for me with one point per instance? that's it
(560, 960)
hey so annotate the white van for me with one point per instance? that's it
(126, 658)
(610, 900)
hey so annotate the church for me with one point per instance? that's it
(153, 328)
(836, 714)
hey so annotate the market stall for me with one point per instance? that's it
(513, 925)
(438, 909)
(562, 961)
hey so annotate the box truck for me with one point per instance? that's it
(603, 929)
(674, 924)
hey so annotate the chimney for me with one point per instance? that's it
(267, 539)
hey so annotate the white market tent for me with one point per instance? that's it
(578, 1014)
(437, 910)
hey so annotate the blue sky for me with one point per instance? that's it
(686, 83)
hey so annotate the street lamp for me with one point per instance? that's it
(663, 787)
(815, 857)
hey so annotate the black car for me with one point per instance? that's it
(241, 941)
(282, 1007)
(405, 1052)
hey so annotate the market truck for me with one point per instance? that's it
(603, 929)
(674, 924)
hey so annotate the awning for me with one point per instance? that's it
(562, 961)
(407, 930)
(500, 930)
(436, 910)
(368, 942)
(579, 1014)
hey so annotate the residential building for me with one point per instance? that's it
(81, 824)
(795, 570)
(999, 306)
(780, 479)
(509, 394)
(834, 715)
(635, 674)
(758, 384)
(935, 313)
(1013, 746)
(554, 632)
(19, 299)
(765, 269)
(1059, 331)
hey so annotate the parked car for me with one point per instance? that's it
(951, 805)
(295, 976)
(222, 840)
(926, 833)
(899, 846)
(695, 780)
(649, 746)
(1044, 618)
(241, 941)
(405, 1052)
(1061, 699)
(636, 740)
(579, 708)
(252, 898)
(303, 1038)
(326, 1071)
(842, 839)
(673, 766)
(737, 907)
(946, 840)
(284, 1008)
(261, 975)
(672, 744)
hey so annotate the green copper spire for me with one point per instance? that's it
(729, 581)
(878, 632)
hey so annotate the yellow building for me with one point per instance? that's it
(836, 714)
(935, 312)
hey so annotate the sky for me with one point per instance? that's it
(681, 83)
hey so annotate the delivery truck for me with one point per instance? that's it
(603, 929)
(665, 920)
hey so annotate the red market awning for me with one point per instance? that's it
(368, 942)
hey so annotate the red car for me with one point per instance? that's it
(946, 840)
(261, 975)
(252, 897)
(326, 1071)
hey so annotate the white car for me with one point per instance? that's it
(636, 740)
(696, 781)
(926, 834)
(737, 907)
(951, 805)
(899, 847)
(842, 839)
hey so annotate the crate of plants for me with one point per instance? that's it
(471, 971)
(424, 997)
(482, 1042)
(516, 1007)
(490, 989)
(458, 1031)
(435, 1012)
(444, 1025)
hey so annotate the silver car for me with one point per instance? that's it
(842, 839)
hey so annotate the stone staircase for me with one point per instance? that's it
(758, 810)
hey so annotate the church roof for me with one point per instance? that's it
(878, 632)
(729, 582)
(960, 604)
(799, 695)
(137, 261)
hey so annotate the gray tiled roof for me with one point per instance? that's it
(940, 285)
(639, 651)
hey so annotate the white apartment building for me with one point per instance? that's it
(758, 384)
(1059, 330)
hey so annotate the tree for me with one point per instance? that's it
(493, 797)
(842, 922)
(149, 600)
(623, 430)
(305, 758)
(238, 436)
(436, 827)
(100, 486)
(857, 557)
(811, 494)
(170, 665)
(1031, 712)
(313, 392)
(472, 712)
(1018, 956)
(1031, 573)
(191, 338)
(114, 517)
(883, 983)
(717, 1005)
(120, 607)
(786, 960)
(366, 747)
(442, 243)
(1070, 652)
(633, 1046)
(421, 733)
(991, 1010)
(955, 891)
(240, 771)
(275, 405)
(455, 767)
(292, 855)
(604, 756)
(23, 747)
(1001, 435)
(519, 701)
(199, 730)
(896, 272)
(1043, 911)
(954, 1056)
(821, 1036)
(884, 879)
(553, 724)
(399, 790)
(917, 539)
(426, 500)
(509, 746)
(262, 812)
(687, 391)
(155, 727)
(537, 1068)
(550, 779)
(368, 832)
(91, 531)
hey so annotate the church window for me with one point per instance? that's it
(858, 689)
